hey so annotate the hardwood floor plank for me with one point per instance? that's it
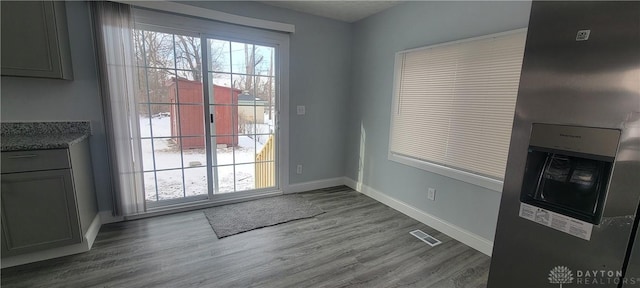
(358, 242)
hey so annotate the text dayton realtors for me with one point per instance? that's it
(603, 277)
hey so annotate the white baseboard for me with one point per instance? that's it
(92, 231)
(471, 239)
(313, 185)
(84, 246)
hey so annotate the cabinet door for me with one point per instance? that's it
(38, 211)
(35, 39)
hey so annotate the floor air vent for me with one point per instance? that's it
(426, 238)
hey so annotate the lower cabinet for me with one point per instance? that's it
(48, 199)
(38, 211)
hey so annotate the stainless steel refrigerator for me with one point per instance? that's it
(569, 210)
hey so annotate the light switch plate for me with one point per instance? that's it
(431, 194)
(301, 110)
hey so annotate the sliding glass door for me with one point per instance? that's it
(207, 110)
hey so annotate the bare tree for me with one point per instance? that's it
(188, 52)
(188, 55)
(252, 60)
(153, 49)
(216, 56)
(264, 78)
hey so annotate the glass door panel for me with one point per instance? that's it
(171, 116)
(242, 99)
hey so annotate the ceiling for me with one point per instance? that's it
(347, 11)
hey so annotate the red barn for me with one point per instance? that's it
(192, 113)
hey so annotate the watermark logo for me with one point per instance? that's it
(560, 275)
(563, 275)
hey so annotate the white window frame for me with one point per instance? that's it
(465, 176)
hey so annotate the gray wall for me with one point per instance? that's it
(376, 39)
(319, 79)
(34, 99)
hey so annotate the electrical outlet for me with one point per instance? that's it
(301, 110)
(299, 169)
(431, 194)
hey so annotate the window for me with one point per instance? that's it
(454, 104)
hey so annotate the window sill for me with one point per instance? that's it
(485, 182)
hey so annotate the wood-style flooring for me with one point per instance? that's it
(358, 242)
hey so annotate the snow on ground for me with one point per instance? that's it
(231, 178)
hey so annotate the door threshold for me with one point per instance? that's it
(202, 204)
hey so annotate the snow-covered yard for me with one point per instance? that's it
(166, 155)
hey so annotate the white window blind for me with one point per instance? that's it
(454, 103)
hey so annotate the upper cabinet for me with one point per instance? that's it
(35, 39)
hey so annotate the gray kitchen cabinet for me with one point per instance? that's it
(48, 198)
(35, 39)
(41, 211)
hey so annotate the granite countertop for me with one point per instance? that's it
(43, 135)
(40, 142)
